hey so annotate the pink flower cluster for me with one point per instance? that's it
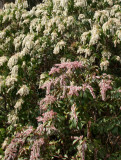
(54, 70)
(87, 86)
(35, 151)
(47, 100)
(73, 113)
(46, 116)
(104, 86)
(67, 65)
(103, 76)
(47, 85)
(39, 129)
(73, 90)
(28, 131)
(70, 65)
(16, 144)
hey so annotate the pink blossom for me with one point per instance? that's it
(47, 85)
(104, 86)
(98, 77)
(39, 129)
(47, 100)
(28, 131)
(70, 65)
(46, 116)
(54, 70)
(64, 92)
(35, 151)
(87, 86)
(50, 128)
(62, 80)
(73, 90)
(56, 80)
(73, 113)
(11, 151)
(16, 144)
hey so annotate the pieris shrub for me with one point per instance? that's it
(60, 79)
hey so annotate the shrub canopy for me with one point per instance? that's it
(60, 80)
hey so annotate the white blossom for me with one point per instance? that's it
(10, 81)
(23, 91)
(19, 104)
(5, 143)
(12, 118)
(2, 34)
(95, 35)
(13, 60)
(106, 54)
(14, 71)
(54, 35)
(25, 4)
(24, 52)
(104, 65)
(63, 3)
(61, 28)
(87, 52)
(69, 21)
(80, 50)
(3, 59)
(80, 3)
(110, 2)
(118, 58)
(5, 18)
(81, 16)
(84, 37)
(59, 47)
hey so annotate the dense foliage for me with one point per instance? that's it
(60, 80)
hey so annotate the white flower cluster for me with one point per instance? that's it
(95, 35)
(104, 65)
(23, 91)
(110, 2)
(12, 118)
(118, 59)
(80, 3)
(28, 41)
(84, 37)
(3, 59)
(5, 143)
(70, 21)
(18, 41)
(10, 81)
(13, 60)
(18, 104)
(106, 54)
(14, 71)
(86, 51)
(59, 47)
(111, 25)
(81, 16)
